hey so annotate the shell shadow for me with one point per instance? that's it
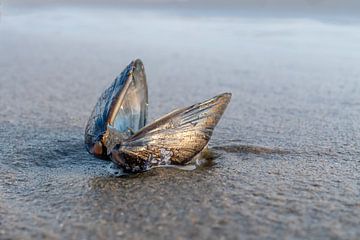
(250, 149)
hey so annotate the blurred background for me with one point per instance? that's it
(330, 6)
(287, 147)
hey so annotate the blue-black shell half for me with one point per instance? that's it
(131, 81)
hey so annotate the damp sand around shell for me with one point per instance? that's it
(285, 156)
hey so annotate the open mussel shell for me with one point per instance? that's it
(122, 106)
(116, 127)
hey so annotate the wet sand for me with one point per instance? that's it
(287, 149)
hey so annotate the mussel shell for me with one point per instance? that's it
(174, 139)
(108, 106)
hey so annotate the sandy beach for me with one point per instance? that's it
(287, 147)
